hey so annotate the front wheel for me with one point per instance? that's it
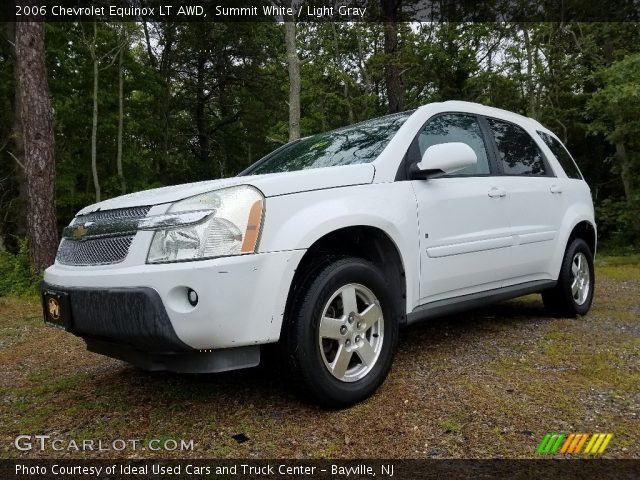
(573, 293)
(342, 332)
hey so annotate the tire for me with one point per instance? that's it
(352, 356)
(569, 299)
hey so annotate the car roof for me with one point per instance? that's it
(472, 107)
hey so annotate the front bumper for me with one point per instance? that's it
(131, 324)
(132, 316)
(241, 301)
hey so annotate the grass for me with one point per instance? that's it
(489, 383)
(451, 426)
(613, 261)
(619, 267)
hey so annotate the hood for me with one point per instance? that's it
(270, 185)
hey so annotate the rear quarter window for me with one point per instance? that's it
(562, 154)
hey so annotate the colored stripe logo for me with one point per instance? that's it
(574, 443)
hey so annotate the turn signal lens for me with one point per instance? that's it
(253, 228)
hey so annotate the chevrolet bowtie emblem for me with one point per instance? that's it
(79, 232)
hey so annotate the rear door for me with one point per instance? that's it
(535, 201)
(463, 219)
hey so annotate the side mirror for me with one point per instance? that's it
(444, 158)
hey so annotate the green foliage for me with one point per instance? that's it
(614, 108)
(617, 225)
(205, 100)
(16, 275)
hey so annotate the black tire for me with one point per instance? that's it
(561, 300)
(305, 357)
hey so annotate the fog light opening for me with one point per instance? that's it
(192, 296)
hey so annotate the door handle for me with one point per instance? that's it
(496, 192)
(555, 189)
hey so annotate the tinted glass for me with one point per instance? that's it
(561, 153)
(456, 128)
(518, 152)
(360, 143)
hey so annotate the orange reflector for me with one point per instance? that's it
(253, 228)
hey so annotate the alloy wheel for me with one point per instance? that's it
(351, 332)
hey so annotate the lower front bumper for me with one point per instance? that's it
(131, 324)
(133, 316)
(194, 361)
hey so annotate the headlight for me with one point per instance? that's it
(231, 228)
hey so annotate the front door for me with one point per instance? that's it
(463, 220)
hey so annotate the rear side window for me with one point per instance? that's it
(518, 153)
(456, 128)
(562, 154)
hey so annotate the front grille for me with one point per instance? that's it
(100, 251)
(75, 250)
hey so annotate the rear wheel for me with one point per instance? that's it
(342, 332)
(574, 292)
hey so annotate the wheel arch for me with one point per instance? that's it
(362, 241)
(585, 230)
(582, 226)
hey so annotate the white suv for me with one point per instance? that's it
(329, 245)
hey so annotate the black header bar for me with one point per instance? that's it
(322, 10)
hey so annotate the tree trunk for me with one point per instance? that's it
(293, 64)
(123, 184)
(18, 144)
(625, 171)
(37, 133)
(222, 162)
(165, 70)
(94, 124)
(345, 87)
(395, 94)
(163, 65)
(627, 185)
(531, 96)
(202, 125)
(366, 79)
(152, 57)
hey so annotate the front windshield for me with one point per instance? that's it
(359, 143)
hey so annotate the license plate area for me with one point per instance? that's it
(56, 309)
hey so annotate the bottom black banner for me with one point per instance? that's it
(317, 469)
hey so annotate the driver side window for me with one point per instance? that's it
(456, 128)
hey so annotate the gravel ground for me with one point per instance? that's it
(489, 383)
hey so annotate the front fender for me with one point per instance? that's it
(297, 221)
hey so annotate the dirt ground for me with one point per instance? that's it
(484, 384)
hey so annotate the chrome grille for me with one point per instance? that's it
(101, 251)
(111, 248)
(119, 213)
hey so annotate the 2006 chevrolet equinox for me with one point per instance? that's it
(329, 244)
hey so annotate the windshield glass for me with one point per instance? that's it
(359, 143)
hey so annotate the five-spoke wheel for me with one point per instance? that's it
(581, 284)
(342, 331)
(573, 293)
(351, 332)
